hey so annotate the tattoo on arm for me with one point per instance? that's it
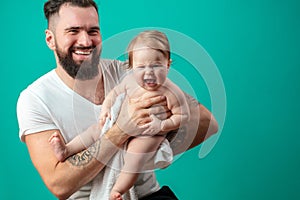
(84, 157)
(177, 137)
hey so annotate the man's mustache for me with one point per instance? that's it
(83, 48)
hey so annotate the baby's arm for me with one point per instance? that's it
(179, 109)
(179, 116)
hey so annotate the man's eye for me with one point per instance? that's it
(73, 31)
(93, 32)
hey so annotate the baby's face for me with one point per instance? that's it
(150, 68)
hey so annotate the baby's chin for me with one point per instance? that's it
(151, 87)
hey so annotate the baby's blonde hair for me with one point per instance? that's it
(152, 39)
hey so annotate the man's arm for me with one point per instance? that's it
(201, 126)
(65, 178)
(206, 128)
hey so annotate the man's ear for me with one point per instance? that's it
(50, 39)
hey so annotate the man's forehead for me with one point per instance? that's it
(73, 14)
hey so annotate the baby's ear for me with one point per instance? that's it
(169, 63)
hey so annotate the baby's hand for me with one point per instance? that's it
(104, 114)
(153, 127)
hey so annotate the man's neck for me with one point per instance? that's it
(92, 90)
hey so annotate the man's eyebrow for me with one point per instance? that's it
(73, 28)
(95, 28)
(79, 27)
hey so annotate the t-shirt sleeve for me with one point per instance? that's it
(113, 72)
(32, 114)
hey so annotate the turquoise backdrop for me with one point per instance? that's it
(255, 47)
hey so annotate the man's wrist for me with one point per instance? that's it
(116, 136)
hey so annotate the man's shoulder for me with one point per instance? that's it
(111, 63)
(40, 83)
(114, 68)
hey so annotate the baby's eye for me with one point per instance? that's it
(140, 67)
(156, 65)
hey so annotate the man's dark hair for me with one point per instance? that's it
(51, 7)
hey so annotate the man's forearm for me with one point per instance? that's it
(95, 158)
(110, 143)
(65, 178)
(206, 128)
(62, 178)
(201, 126)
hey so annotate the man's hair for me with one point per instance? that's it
(51, 7)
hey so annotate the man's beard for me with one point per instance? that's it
(85, 70)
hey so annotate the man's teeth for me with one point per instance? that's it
(83, 52)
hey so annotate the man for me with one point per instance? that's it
(67, 101)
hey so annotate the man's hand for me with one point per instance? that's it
(137, 112)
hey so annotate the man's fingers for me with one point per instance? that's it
(148, 102)
(145, 125)
(148, 95)
(157, 109)
(145, 120)
(163, 115)
(136, 112)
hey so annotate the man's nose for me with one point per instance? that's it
(84, 39)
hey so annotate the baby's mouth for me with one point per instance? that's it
(150, 82)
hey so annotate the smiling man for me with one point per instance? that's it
(77, 45)
(67, 100)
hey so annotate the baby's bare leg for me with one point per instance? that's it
(58, 146)
(140, 151)
(77, 144)
(115, 195)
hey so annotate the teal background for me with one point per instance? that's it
(255, 45)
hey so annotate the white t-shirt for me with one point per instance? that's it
(49, 104)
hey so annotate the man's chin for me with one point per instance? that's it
(81, 61)
(87, 71)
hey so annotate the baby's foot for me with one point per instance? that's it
(58, 146)
(115, 195)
